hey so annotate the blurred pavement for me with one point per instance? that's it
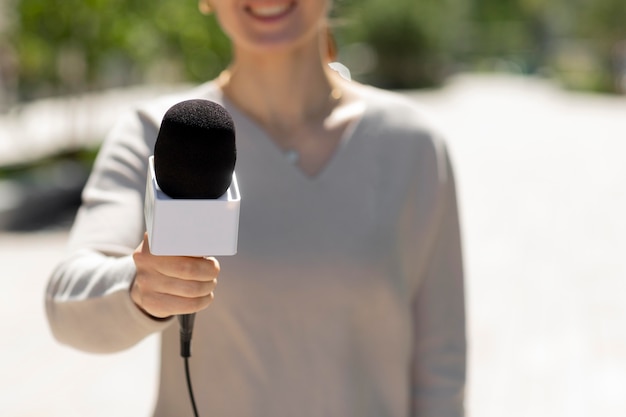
(542, 183)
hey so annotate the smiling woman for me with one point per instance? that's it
(346, 295)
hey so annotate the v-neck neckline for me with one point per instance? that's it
(340, 148)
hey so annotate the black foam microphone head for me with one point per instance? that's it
(195, 154)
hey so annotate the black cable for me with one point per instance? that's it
(191, 397)
(186, 330)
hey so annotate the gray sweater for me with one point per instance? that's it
(345, 297)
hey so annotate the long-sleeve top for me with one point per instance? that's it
(346, 296)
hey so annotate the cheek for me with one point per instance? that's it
(223, 22)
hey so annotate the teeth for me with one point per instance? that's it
(269, 11)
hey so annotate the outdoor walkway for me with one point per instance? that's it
(542, 183)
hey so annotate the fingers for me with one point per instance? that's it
(178, 287)
(165, 305)
(172, 285)
(181, 267)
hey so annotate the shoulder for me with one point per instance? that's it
(396, 113)
(141, 124)
(399, 123)
(408, 143)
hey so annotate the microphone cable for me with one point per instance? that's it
(189, 388)
(186, 328)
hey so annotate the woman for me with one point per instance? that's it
(346, 295)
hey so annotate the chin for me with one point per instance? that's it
(282, 42)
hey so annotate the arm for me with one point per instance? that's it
(87, 299)
(439, 362)
(110, 292)
(89, 307)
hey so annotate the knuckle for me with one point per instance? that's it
(215, 264)
(180, 269)
(204, 302)
(186, 268)
(188, 288)
(152, 305)
(138, 258)
(200, 288)
(140, 278)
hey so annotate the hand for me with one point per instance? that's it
(170, 285)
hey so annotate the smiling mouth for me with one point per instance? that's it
(270, 11)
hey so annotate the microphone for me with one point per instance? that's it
(192, 196)
(195, 153)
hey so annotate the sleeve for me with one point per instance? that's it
(88, 302)
(438, 306)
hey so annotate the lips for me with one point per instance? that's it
(269, 11)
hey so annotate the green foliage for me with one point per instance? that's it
(592, 63)
(78, 45)
(412, 40)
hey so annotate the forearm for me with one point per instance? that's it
(89, 307)
(439, 368)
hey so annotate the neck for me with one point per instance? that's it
(283, 90)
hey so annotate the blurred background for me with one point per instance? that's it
(530, 93)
